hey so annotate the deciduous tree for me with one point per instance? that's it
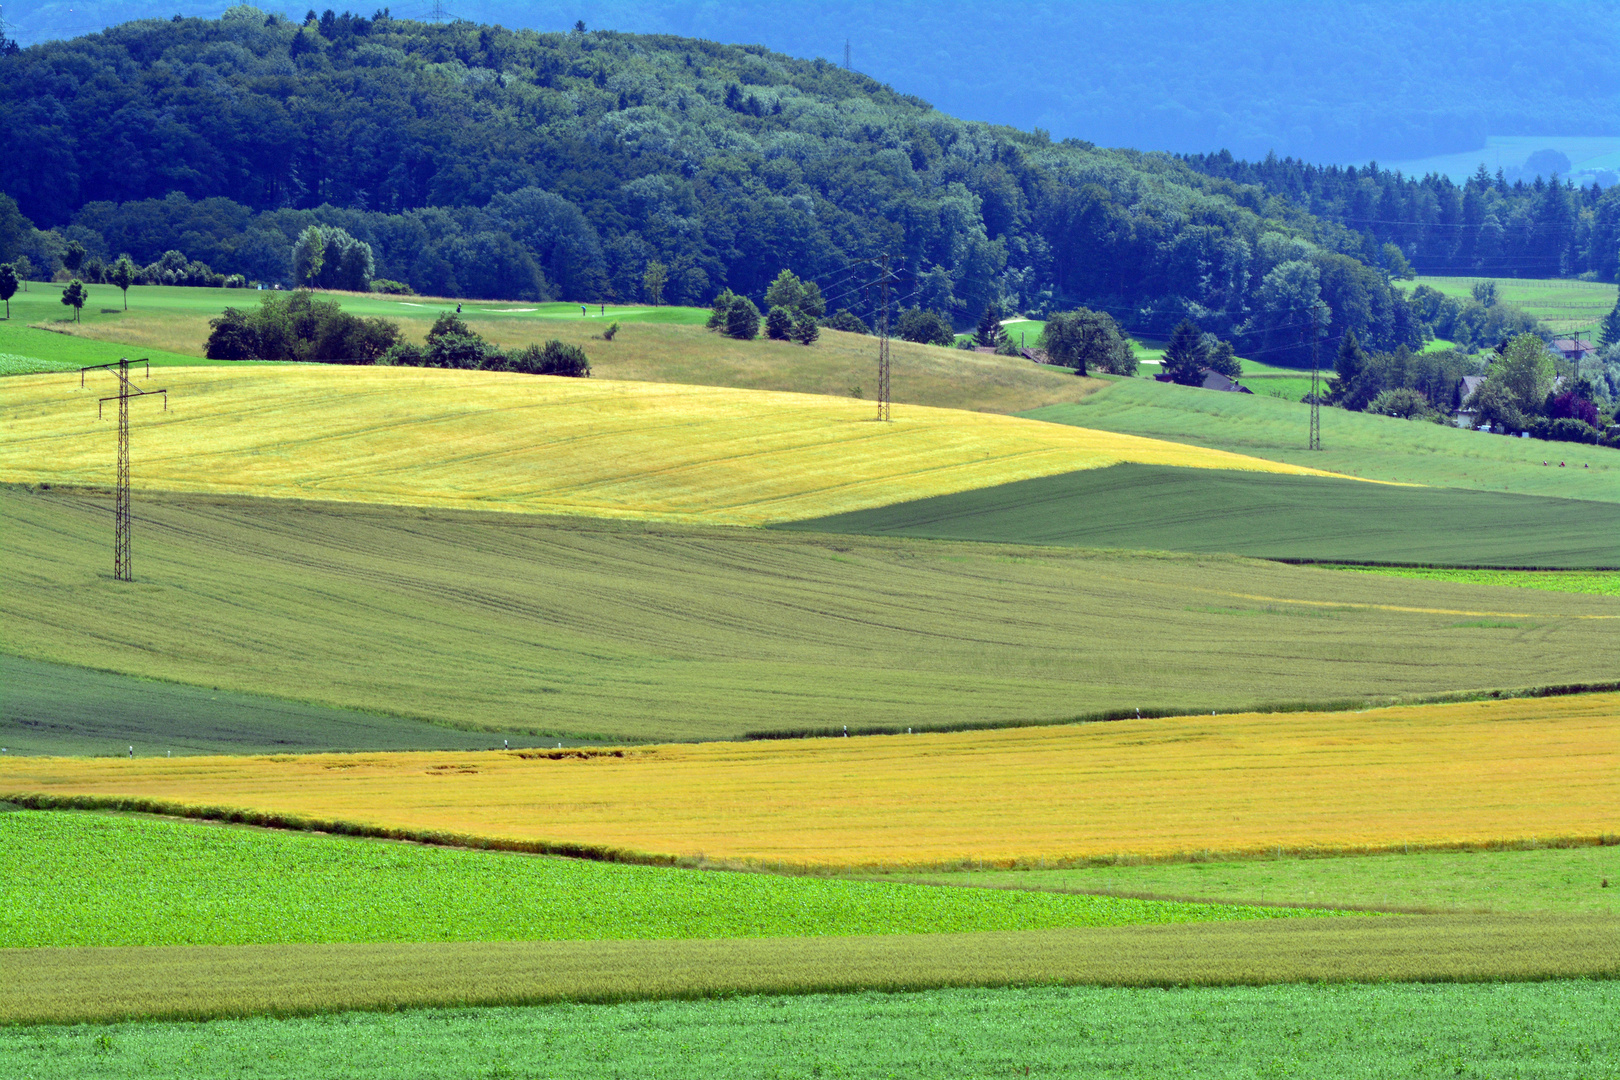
(8, 285)
(653, 280)
(74, 296)
(122, 275)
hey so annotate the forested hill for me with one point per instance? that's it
(1486, 226)
(483, 162)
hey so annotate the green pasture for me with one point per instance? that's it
(1566, 306)
(1357, 444)
(1286, 387)
(666, 344)
(1260, 514)
(89, 879)
(169, 324)
(593, 629)
(1551, 1030)
(1566, 880)
(1595, 583)
(63, 710)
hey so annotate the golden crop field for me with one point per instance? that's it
(1456, 774)
(660, 451)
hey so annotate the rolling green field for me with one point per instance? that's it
(85, 879)
(1356, 444)
(1258, 514)
(61, 709)
(599, 629)
(1565, 306)
(1550, 1030)
(1596, 584)
(1545, 879)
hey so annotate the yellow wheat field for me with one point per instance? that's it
(1471, 773)
(425, 437)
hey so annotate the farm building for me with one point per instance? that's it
(1574, 348)
(1461, 414)
(1213, 380)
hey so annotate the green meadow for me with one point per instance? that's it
(1568, 880)
(1259, 514)
(592, 629)
(1594, 583)
(1566, 306)
(1550, 1030)
(88, 879)
(1357, 444)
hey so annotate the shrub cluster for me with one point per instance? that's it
(452, 344)
(296, 326)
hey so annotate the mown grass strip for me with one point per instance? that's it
(206, 982)
(1592, 583)
(1432, 777)
(97, 879)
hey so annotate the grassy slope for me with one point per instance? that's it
(61, 709)
(1547, 879)
(69, 883)
(600, 628)
(1566, 306)
(428, 437)
(1549, 1030)
(204, 981)
(653, 344)
(1374, 447)
(1305, 517)
(1442, 776)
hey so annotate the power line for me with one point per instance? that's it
(126, 390)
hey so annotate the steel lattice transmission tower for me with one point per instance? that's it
(1316, 392)
(883, 345)
(126, 390)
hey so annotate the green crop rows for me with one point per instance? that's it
(1550, 1030)
(1262, 514)
(621, 630)
(75, 879)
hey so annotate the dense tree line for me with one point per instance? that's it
(1486, 226)
(467, 160)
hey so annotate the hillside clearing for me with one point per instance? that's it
(612, 630)
(1473, 774)
(428, 437)
(1566, 306)
(1353, 444)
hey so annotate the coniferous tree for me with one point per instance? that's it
(1609, 331)
(989, 332)
(1184, 359)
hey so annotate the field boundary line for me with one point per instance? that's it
(268, 819)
